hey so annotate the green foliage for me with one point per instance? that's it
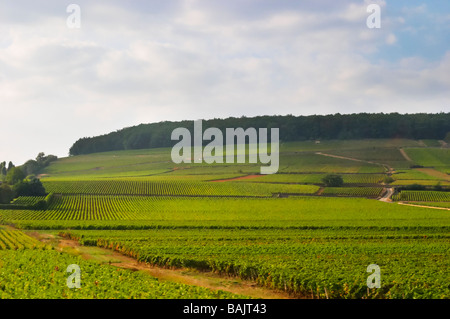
(3, 170)
(14, 239)
(316, 178)
(332, 180)
(153, 212)
(432, 196)
(33, 187)
(15, 175)
(429, 157)
(141, 204)
(388, 179)
(369, 192)
(31, 167)
(413, 187)
(10, 166)
(294, 128)
(41, 274)
(166, 187)
(326, 261)
(35, 166)
(6, 194)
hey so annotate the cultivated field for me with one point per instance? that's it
(287, 232)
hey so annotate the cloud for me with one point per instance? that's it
(147, 61)
(391, 39)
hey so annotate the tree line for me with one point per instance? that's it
(22, 180)
(292, 128)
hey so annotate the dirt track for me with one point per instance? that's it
(236, 178)
(184, 276)
(387, 196)
(414, 205)
(405, 155)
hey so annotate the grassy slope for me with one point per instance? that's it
(294, 157)
(335, 217)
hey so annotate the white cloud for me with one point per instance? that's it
(391, 39)
(127, 66)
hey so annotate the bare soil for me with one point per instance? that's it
(387, 195)
(425, 206)
(186, 276)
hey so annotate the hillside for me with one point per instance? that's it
(292, 128)
(227, 219)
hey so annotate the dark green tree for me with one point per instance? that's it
(6, 194)
(15, 175)
(10, 166)
(3, 170)
(40, 159)
(333, 180)
(30, 167)
(388, 179)
(33, 187)
(50, 158)
(43, 161)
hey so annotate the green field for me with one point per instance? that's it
(41, 273)
(327, 262)
(423, 196)
(431, 157)
(285, 232)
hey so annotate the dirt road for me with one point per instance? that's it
(184, 276)
(405, 155)
(236, 178)
(387, 195)
(389, 170)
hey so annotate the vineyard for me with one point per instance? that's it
(14, 239)
(28, 200)
(317, 178)
(285, 231)
(422, 196)
(308, 211)
(371, 192)
(178, 188)
(316, 263)
(41, 274)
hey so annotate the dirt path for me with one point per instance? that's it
(425, 206)
(389, 170)
(343, 157)
(402, 151)
(387, 195)
(184, 276)
(236, 178)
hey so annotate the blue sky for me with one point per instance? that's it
(135, 62)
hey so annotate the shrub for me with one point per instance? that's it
(332, 180)
(388, 179)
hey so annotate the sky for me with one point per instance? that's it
(136, 61)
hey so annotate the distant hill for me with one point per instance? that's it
(292, 128)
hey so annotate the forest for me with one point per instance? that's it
(292, 128)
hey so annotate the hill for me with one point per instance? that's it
(292, 128)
